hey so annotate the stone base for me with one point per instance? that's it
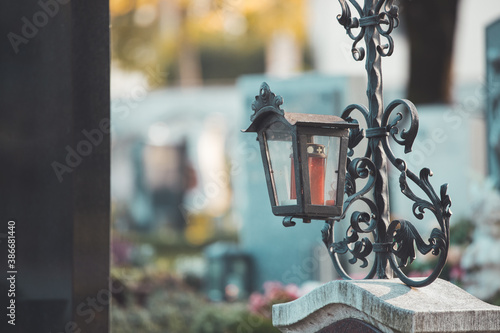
(386, 306)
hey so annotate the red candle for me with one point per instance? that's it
(316, 160)
(316, 163)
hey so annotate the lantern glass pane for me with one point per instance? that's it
(281, 166)
(323, 161)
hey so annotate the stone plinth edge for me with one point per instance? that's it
(390, 306)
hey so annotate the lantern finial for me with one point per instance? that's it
(266, 101)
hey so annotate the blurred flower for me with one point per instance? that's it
(120, 251)
(274, 293)
(414, 274)
(457, 273)
(257, 302)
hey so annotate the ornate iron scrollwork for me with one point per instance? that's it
(384, 16)
(361, 222)
(394, 242)
(402, 236)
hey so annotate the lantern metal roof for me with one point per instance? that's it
(305, 119)
(267, 103)
(326, 121)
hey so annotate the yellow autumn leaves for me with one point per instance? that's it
(261, 17)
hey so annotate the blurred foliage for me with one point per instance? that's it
(164, 312)
(220, 38)
(155, 301)
(495, 300)
(204, 18)
(230, 318)
(461, 232)
(165, 244)
(261, 304)
(222, 60)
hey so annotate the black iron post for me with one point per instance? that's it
(376, 108)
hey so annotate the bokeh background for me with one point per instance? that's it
(194, 241)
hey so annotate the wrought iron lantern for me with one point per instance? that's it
(304, 157)
(309, 164)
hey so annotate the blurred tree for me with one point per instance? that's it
(431, 27)
(177, 34)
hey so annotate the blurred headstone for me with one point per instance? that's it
(493, 100)
(229, 272)
(161, 180)
(481, 260)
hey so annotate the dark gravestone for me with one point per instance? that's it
(54, 170)
(493, 100)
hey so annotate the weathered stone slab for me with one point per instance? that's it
(387, 306)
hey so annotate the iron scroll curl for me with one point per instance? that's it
(385, 17)
(402, 234)
(361, 222)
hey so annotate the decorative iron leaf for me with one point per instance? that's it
(439, 241)
(420, 204)
(352, 237)
(404, 239)
(445, 201)
(360, 251)
(361, 248)
(344, 18)
(339, 247)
